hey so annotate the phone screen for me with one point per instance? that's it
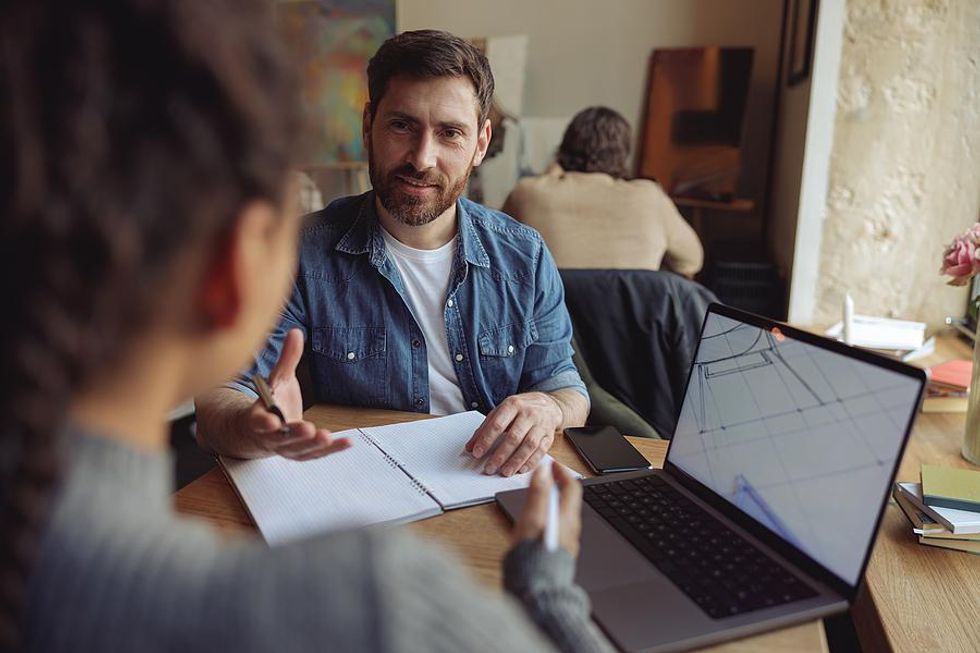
(605, 449)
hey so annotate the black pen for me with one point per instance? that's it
(265, 393)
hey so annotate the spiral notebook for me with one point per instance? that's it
(391, 475)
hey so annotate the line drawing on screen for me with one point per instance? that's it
(799, 437)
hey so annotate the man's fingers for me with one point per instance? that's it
(507, 444)
(301, 437)
(262, 421)
(297, 451)
(519, 459)
(292, 351)
(301, 446)
(297, 432)
(536, 457)
(483, 434)
(495, 424)
(325, 450)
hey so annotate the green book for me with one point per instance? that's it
(949, 487)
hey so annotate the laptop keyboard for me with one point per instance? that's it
(715, 567)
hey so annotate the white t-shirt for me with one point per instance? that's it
(425, 273)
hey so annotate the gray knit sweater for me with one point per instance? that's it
(119, 571)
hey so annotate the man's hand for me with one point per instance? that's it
(304, 441)
(524, 425)
(530, 525)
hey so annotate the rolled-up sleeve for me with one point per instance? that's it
(548, 365)
(293, 316)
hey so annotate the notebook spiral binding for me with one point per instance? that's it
(419, 487)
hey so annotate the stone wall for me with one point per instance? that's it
(905, 168)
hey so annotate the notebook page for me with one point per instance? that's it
(291, 500)
(431, 450)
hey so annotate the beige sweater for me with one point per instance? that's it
(591, 220)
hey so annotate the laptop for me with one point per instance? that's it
(766, 509)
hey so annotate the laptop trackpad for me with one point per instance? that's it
(644, 615)
(608, 560)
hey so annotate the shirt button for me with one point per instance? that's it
(351, 356)
(475, 404)
(459, 357)
(510, 349)
(449, 303)
(418, 401)
(416, 343)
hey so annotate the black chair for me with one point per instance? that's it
(636, 331)
(607, 410)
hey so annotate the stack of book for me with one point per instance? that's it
(944, 509)
(949, 387)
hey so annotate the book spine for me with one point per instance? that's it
(955, 504)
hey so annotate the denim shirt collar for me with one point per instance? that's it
(364, 236)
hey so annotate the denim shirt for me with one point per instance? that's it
(506, 322)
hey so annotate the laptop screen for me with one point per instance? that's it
(801, 438)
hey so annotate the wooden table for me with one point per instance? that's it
(478, 534)
(916, 598)
(921, 598)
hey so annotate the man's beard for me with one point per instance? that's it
(409, 209)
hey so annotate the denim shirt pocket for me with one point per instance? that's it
(502, 353)
(351, 365)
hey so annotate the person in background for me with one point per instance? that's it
(144, 149)
(409, 297)
(592, 215)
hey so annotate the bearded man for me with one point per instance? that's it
(411, 298)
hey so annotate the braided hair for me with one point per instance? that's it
(131, 132)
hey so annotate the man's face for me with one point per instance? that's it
(422, 144)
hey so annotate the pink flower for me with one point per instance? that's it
(961, 260)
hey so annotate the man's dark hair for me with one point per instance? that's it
(429, 54)
(597, 140)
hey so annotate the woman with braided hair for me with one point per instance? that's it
(146, 250)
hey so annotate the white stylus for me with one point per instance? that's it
(551, 525)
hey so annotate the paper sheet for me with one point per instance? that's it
(358, 487)
(432, 451)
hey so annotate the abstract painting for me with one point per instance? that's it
(330, 42)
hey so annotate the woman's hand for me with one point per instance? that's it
(530, 525)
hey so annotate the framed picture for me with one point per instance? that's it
(802, 24)
(330, 43)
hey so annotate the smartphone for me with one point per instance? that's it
(605, 450)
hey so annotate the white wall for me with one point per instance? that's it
(586, 52)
